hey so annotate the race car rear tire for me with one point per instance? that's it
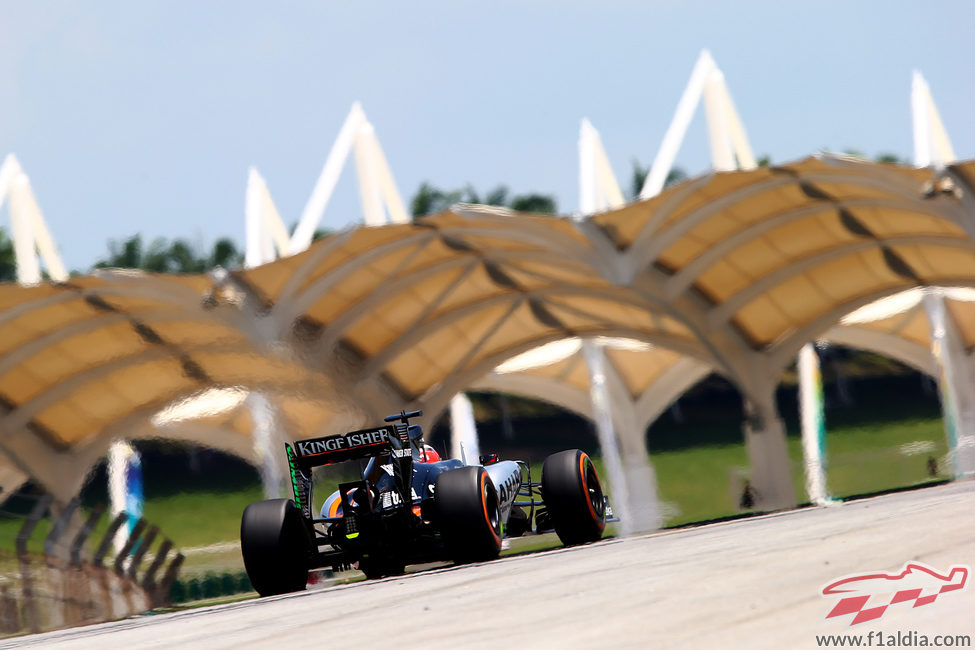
(275, 545)
(573, 497)
(469, 514)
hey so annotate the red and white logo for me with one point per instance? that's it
(868, 595)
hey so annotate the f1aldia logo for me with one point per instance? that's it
(866, 596)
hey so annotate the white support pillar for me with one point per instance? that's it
(956, 383)
(266, 444)
(768, 455)
(630, 434)
(463, 430)
(813, 424)
(602, 411)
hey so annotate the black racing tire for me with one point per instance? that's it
(275, 544)
(573, 497)
(375, 568)
(469, 514)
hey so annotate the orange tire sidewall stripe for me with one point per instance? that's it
(583, 457)
(484, 505)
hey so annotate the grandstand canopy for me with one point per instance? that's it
(736, 270)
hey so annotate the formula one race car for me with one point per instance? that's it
(411, 507)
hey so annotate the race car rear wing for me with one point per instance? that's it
(364, 443)
(393, 439)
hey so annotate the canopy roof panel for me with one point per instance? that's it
(95, 358)
(781, 251)
(455, 294)
(736, 270)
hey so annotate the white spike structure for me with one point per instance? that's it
(264, 224)
(322, 192)
(729, 143)
(674, 136)
(267, 239)
(931, 144)
(30, 234)
(369, 191)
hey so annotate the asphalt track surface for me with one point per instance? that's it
(743, 584)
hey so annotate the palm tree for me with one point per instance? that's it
(8, 260)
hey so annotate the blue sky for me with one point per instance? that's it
(143, 117)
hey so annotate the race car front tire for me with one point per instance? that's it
(275, 545)
(573, 497)
(469, 514)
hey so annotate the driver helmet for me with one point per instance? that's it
(429, 455)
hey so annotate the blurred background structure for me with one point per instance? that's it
(613, 314)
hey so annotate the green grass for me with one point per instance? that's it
(201, 518)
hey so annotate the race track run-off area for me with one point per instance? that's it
(751, 583)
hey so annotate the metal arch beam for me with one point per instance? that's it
(535, 231)
(689, 274)
(221, 438)
(474, 349)
(540, 388)
(76, 465)
(674, 199)
(896, 181)
(299, 277)
(782, 352)
(657, 245)
(415, 333)
(672, 383)
(70, 294)
(960, 212)
(441, 394)
(724, 312)
(21, 309)
(966, 200)
(547, 239)
(727, 349)
(313, 294)
(36, 459)
(896, 347)
(19, 417)
(337, 328)
(26, 351)
(299, 299)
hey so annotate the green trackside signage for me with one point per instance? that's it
(294, 474)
